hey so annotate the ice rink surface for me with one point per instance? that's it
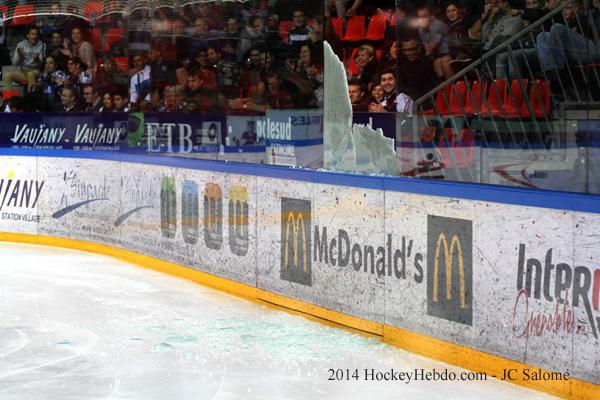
(75, 325)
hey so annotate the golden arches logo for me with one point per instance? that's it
(296, 224)
(449, 258)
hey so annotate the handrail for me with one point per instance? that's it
(502, 46)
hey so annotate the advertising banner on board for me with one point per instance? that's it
(72, 131)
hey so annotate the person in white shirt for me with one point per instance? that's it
(140, 79)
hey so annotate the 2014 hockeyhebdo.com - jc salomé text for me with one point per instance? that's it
(442, 374)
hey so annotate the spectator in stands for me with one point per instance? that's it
(416, 76)
(377, 94)
(392, 102)
(458, 33)
(140, 79)
(110, 75)
(27, 57)
(356, 92)
(301, 33)
(92, 99)
(366, 61)
(78, 74)
(253, 36)
(55, 49)
(193, 91)
(390, 57)
(69, 100)
(55, 22)
(572, 41)
(499, 23)
(174, 98)
(161, 72)
(78, 47)
(402, 26)
(51, 80)
(201, 36)
(120, 100)
(433, 34)
(107, 104)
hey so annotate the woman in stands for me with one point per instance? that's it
(458, 33)
(107, 104)
(78, 47)
(366, 61)
(389, 59)
(51, 81)
(377, 94)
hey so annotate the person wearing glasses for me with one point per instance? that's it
(415, 73)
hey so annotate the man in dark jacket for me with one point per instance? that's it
(416, 75)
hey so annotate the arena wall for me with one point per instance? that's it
(487, 278)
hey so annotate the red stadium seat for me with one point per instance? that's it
(442, 100)
(539, 96)
(95, 37)
(122, 63)
(113, 36)
(515, 98)
(458, 98)
(352, 67)
(496, 98)
(338, 26)
(377, 27)
(474, 100)
(284, 30)
(10, 93)
(93, 10)
(23, 15)
(355, 30)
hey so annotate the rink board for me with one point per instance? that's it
(473, 273)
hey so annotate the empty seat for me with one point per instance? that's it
(95, 37)
(539, 96)
(442, 100)
(474, 100)
(338, 26)
(496, 98)
(377, 26)
(355, 29)
(122, 63)
(113, 35)
(284, 30)
(458, 98)
(515, 98)
(23, 15)
(352, 67)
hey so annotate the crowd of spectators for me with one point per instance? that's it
(234, 57)
(427, 42)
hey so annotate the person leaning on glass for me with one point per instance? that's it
(27, 58)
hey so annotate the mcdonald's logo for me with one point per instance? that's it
(296, 260)
(238, 220)
(168, 207)
(213, 216)
(450, 269)
(189, 212)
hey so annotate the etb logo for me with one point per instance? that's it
(213, 216)
(450, 269)
(238, 220)
(296, 260)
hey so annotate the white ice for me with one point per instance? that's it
(79, 326)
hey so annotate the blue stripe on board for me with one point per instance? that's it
(469, 191)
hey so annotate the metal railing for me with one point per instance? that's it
(503, 100)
